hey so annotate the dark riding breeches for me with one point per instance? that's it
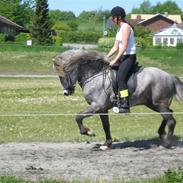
(126, 64)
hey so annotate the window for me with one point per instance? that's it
(175, 31)
(179, 40)
(165, 41)
(172, 41)
(157, 40)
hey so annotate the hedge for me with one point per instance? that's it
(79, 37)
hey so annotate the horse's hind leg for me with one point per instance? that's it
(171, 122)
(161, 130)
(168, 120)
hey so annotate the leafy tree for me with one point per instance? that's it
(41, 30)
(86, 16)
(169, 6)
(57, 15)
(144, 8)
(19, 11)
(96, 16)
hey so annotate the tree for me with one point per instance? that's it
(169, 6)
(19, 11)
(145, 7)
(57, 15)
(41, 30)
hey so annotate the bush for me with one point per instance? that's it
(22, 38)
(79, 37)
(61, 26)
(106, 42)
(174, 176)
(9, 38)
(2, 38)
(143, 42)
(179, 45)
(57, 41)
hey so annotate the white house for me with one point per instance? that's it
(169, 36)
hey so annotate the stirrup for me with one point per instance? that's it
(124, 110)
(120, 110)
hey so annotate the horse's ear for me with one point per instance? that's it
(58, 67)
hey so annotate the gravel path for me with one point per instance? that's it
(126, 160)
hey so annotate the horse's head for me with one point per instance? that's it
(67, 85)
(71, 64)
(68, 77)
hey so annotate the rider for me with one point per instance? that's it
(126, 56)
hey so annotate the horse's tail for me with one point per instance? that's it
(179, 88)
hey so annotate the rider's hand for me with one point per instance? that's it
(112, 63)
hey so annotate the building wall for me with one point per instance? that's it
(4, 28)
(156, 24)
(167, 40)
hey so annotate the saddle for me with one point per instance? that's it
(132, 78)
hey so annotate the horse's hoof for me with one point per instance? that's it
(166, 142)
(90, 132)
(104, 148)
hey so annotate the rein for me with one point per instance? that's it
(87, 80)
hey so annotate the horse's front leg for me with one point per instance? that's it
(106, 126)
(89, 111)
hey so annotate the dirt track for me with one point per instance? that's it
(127, 160)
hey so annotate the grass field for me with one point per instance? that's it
(30, 96)
(44, 96)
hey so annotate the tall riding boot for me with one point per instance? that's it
(123, 103)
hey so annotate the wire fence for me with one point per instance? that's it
(88, 114)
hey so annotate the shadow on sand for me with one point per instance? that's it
(144, 144)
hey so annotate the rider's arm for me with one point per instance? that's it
(113, 49)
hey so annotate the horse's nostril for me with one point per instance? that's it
(66, 92)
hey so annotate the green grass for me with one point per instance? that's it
(29, 96)
(35, 96)
(169, 176)
(94, 27)
(17, 59)
(17, 180)
(168, 59)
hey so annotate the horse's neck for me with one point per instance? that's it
(87, 72)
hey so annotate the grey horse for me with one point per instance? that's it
(155, 89)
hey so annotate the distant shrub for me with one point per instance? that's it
(22, 38)
(57, 41)
(73, 25)
(9, 38)
(179, 45)
(61, 26)
(79, 37)
(143, 42)
(106, 42)
(2, 38)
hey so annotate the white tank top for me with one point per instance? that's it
(131, 48)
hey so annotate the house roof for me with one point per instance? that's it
(170, 31)
(9, 22)
(144, 17)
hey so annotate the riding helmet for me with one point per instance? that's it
(118, 11)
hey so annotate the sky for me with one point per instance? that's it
(77, 6)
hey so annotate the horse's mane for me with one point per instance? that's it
(70, 60)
